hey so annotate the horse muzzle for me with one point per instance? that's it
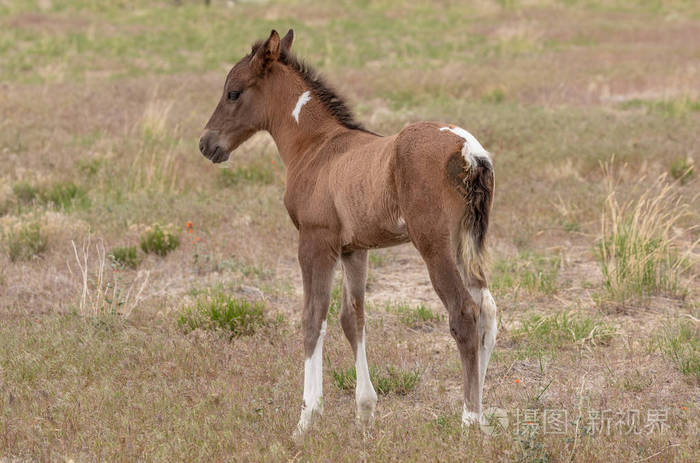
(211, 148)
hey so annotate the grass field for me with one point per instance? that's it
(150, 301)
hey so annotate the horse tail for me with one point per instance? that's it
(476, 184)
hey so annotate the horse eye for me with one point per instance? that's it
(233, 96)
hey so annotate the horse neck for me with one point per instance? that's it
(296, 140)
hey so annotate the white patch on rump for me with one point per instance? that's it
(303, 99)
(472, 148)
(313, 383)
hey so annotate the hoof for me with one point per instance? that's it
(470, 418)
(365, 414)
(308, 416)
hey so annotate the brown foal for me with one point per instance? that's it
(350, 190)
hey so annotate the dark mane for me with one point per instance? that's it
(333, 102)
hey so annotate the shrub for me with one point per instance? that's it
(639, 251)
(125, 256)
(26, 241)
(238, 317)
(158, 240)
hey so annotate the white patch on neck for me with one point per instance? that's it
(303, 99)
(471, 149)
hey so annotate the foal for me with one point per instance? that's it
(350, 190)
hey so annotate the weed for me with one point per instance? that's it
(413, 316)
(681, 343)
(639, 253)
(387, 380)
(238, 317)
(158, 240)
(125, 256)
(26, 241)
(563, 328)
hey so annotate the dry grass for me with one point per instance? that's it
(102, 105)
(644, 247)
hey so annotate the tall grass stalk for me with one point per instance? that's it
(155, 167)
(642, 249)
(97, 295)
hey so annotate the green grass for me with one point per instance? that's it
(25, 192)
(682, 169)
(236, 317)
(386, 380)
(413, 316)
(159, 240)
(26, 241)
(255, 174)
(562, 329)
(639, 251)
(529, 270)
(125, 256)
(66, 196)
(336, 303)
(672, 108)
(680, 342)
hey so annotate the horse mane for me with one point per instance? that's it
(328, 96)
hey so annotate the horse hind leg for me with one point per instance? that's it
(437, 249)
(353, 322)
(488, 321)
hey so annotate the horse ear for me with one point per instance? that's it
(287, 40)
(267, 54)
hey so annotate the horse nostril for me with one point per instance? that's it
(202, 146)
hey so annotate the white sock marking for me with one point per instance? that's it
(365, 396)
(303, 99)
(487, 331)
(472, 148)
(469, 418)
(313, 382)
